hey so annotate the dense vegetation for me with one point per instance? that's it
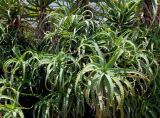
(75, 60)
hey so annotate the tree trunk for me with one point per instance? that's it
(147, 10)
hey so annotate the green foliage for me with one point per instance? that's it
(120, 14)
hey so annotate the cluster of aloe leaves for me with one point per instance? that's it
(66, 62)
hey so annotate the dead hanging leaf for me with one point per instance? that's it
(54, 42)
(0, 115)
(158, 15)
(151, 10)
